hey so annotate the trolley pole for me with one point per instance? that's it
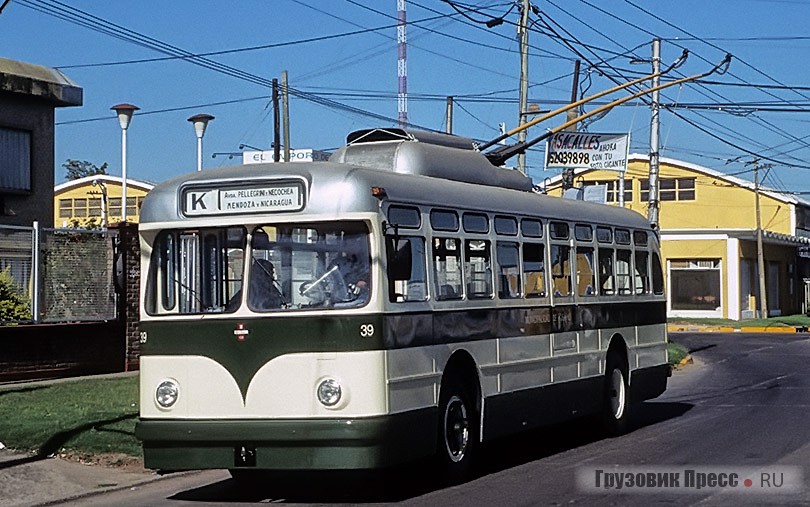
(523, 94)
(652, 210)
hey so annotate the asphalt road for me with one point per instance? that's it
(742, 406)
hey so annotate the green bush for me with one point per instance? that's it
(676, 353)
(14, 304)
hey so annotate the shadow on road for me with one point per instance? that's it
(420, 478)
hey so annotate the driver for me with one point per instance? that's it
(354, 270)
(345, 280)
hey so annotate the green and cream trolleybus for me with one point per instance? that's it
(404, 299)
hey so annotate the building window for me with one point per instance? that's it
(65, 208)
(15, 164)
(695, 284)
(670, 189)
(613, 189)
(80, 208)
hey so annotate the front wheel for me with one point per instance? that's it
(458, 431)
(616, 411)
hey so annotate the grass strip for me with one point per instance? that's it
(676, 353)
(85, 416)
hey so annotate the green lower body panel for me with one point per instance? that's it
(288, 444)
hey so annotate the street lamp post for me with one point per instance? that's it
(124, 112)
(200, 121)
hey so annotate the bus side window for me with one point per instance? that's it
(585, 285)
(508, 270)
(534, 270)
(642, 276)
(657, 275)
(561, 269)
(407, 277)
(623, 271)
(606, 275)
(479, 268)
(447, 268)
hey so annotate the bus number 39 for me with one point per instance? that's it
(366, 330)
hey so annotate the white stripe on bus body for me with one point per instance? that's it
(283, 387)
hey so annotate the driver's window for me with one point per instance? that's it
(311, 266)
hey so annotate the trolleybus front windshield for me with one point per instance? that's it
(292, 267)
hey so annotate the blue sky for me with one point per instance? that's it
(345, 51)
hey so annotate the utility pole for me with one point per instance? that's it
(276, 121)
(652, 210)
(285, 115)
(763, 299)
(573, 113)
(402, 65)
(568, 172)
(449, 114)
(523, 93)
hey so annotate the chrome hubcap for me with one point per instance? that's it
(456, 429)
(617, 393)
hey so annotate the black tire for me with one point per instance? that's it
(458, 431)
(616, 410)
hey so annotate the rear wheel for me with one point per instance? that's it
(458, 431)
(616, 411)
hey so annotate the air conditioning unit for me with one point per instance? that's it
(748, 314)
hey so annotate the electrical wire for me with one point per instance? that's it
(646, 100)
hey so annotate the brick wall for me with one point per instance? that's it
(129, 310)
(39, 351)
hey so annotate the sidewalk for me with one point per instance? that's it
(29, 479)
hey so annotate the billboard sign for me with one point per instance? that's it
(587, 150)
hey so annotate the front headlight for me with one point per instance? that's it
(166, 393)
(329, 392)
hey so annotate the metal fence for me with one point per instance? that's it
(16, 254)
(66, 274)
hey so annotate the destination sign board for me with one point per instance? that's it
(586, 150)
(273, 198)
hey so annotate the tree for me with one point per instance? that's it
(13, 302)
(81, 168)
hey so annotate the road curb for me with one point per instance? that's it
(100, 491)
(678, 328)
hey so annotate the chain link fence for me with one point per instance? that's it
(67, 275)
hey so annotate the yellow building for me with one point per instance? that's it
(96, 201)
(708, 238)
